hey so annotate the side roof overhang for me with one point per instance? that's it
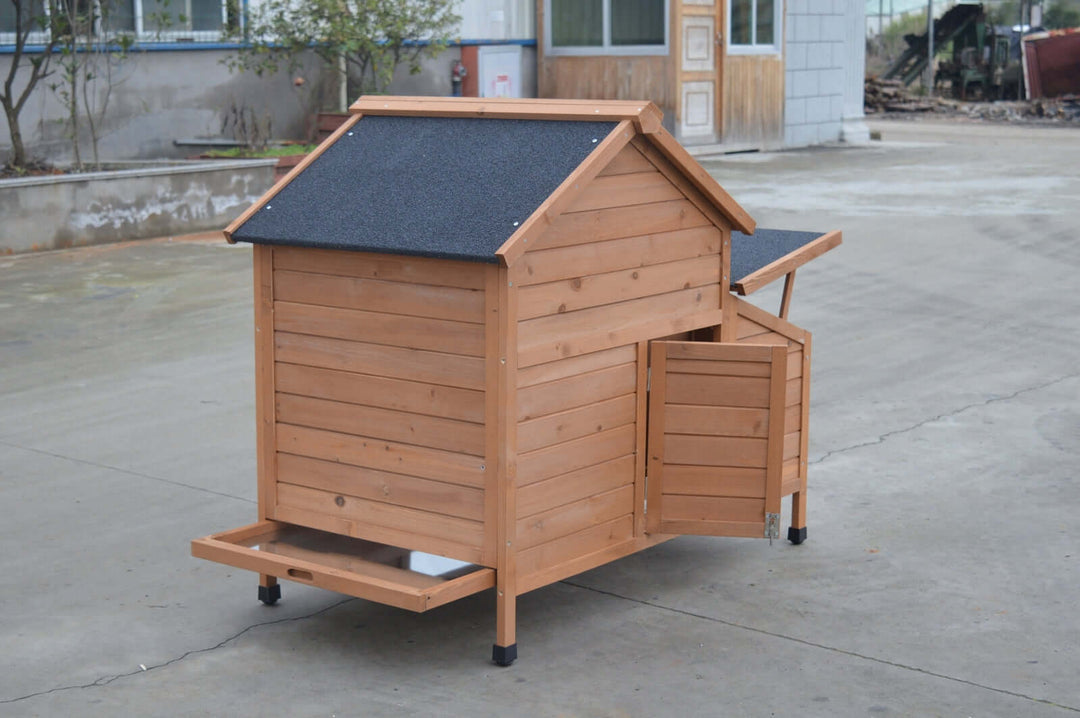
(631, 119)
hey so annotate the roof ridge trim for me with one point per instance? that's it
(645, 115)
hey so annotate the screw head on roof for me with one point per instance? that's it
(269, 207)
(515, 224)
(350, 134)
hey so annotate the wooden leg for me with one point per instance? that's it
(797, 531)
(504, 652)
(785, 299)
(269, 590)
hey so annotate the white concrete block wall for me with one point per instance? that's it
(814, 71)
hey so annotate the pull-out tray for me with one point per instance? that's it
(376, 572)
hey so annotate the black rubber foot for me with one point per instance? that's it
(504, 656)
(796, 536)
(270, 594)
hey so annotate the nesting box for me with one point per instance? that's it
(499, 343)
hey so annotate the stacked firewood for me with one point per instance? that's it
(892, 96)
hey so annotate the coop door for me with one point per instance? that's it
(716, 438)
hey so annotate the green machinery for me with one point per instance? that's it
(985, 59)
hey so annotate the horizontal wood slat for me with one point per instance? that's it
(791, 445)
(716, 420)
(376, 328)
(595, 538)
(624, 191)
(792, 392)
(549, 338)
(410, 491)
(598, 289)
(574, 391)
(352, 508)
(792, 418)
(712, 508)
(727, 368)
(382, 455)
(418, 300)
(606, 224)
(575, 485)
(750, 392)
(628, 160)
(795, 362)
(574, 517)
(714, 481)
(400, 394)
(392, 535)
(577, 454)
(367, 421)
(714, 450)
(391, 267)
(746, 329)
(641, 250)
(562, 368)
(575, 423)
(394, 362)
(733, 353)
(739, 529)
(774, 323)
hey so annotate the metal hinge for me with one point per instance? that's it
(772, 527)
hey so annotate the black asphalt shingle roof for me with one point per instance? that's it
(454, 188)
(750, 253)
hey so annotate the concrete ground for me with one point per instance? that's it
(942, 572)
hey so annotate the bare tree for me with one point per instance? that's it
(89, 53)
(29, 17)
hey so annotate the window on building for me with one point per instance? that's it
(753, 26)
(606, 27)
(149, 20)
(32, 17)
(170, 17)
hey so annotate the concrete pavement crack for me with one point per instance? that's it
(106, 680)
(821, 646)
(129, 472)
(993, 400)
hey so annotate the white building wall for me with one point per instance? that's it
(815, 74)
(497, 19)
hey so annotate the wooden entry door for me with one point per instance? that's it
(716, 438)
(699, 69)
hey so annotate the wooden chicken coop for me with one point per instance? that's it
(499, 343)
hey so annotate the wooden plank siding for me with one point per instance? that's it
(753, 100)
(604, 77)
(717, 438)
(577, 442)
(631, 259)
(754, 331)
(380, 399)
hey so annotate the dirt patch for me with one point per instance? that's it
(32, 169)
